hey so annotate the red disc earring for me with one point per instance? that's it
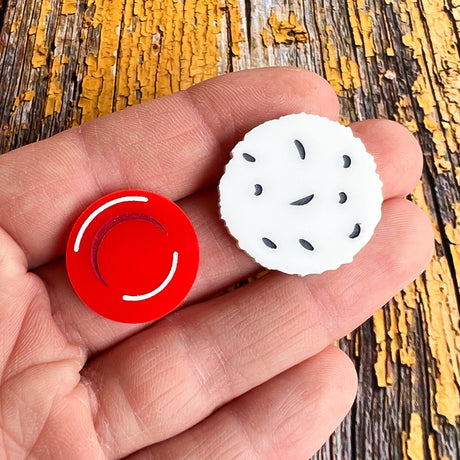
(132, 256)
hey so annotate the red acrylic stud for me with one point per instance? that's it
(132, 256)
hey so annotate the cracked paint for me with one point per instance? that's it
(152, 48)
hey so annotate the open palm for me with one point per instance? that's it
(247, 374)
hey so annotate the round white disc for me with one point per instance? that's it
(301, 194)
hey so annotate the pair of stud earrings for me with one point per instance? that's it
(300, 195)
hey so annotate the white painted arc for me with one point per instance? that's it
(101, 209)
(149, 295)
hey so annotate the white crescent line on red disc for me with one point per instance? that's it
(149, 295)
(94, 214)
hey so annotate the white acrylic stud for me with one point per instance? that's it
(301, 194)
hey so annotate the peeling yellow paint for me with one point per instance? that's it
(437, 88)
(380, 366)
(437, 92)
(343, 73)
(41, 51)
(152, 48)
(14, 26)
(393, 338)
(393, 330)
(99, 83)
(422, 90)
(286, 31)
(236, 35)
(405, 115)
(404, 444)
(432, 447)
(457, 175)
(434, 295)
(54, 91)
(331, 65)
(27, 96)
(144, 49)
(401, 313)
(362, 26)
(437, 297)
(266, 37)
(350, 73)
(415, 449)
(69, 7)
(390, 51)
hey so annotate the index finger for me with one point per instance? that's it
(173, 146)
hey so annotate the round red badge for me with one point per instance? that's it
(132, 256)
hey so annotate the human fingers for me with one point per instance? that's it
(39, 370)
(273, 420)
(17, 288)
(201, 357)
(398, 159)
(173, 146)
(397, 154)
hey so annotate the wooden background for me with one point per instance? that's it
(66, 61)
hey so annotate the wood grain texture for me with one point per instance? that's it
(63, 62)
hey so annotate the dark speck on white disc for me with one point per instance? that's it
(342, 197)
(269, 243)
(356, 231)
(249, 158)
(305, 244)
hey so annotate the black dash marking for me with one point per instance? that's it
(356, 231)
(308, 246)
(258, 190)
(346, 161)
(303, 201)
(300, 148)
(248, 157)
(342, 197)
(269, 243)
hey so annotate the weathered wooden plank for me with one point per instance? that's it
(66, 61)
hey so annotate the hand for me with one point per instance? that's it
(249, 374)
